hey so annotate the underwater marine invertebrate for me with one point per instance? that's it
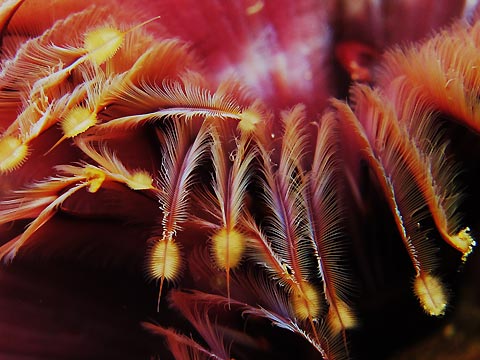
(220, 164)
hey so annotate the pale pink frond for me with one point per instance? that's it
(164, 60)
(400, 170)
(174, 99)
(180, 345)
(199, 317)
(327, 219)
(47, 55)
(441, 68)
(287, 221)
(9, 250)
(439, 176)
(28, 203)
(183, 150)
(230, 181)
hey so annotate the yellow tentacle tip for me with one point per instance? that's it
(249, 121)
(305, 300)
(431, 294)
(77, 121)
(140, 180)
(13, 153)
(228, 248)
(255, 8)
(464, 242)
(101, 44)
(95, 178)
(164, 261)
(341, 317)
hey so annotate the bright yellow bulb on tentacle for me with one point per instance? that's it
(164, 260)
(77, 121)
(341, 316)
(95, 178)
(228, 247)
(140, 180)
(305, 301)
(249, 121)
(464, 242)
(13, 153)
(431, 294)
(101, 44)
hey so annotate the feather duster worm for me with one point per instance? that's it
(208, 146)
